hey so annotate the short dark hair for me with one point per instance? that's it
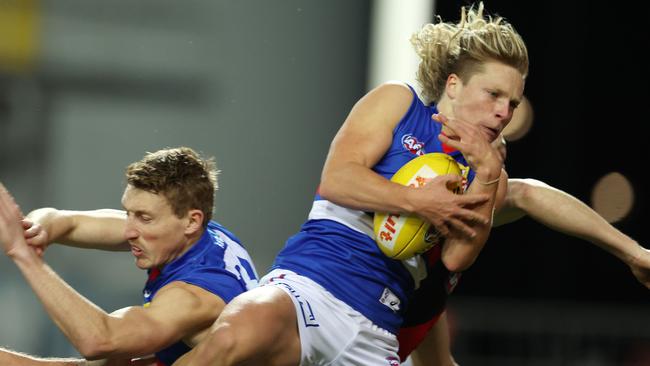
(181, 175)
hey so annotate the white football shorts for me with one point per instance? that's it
(331, 332)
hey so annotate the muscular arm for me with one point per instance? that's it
(561, 212)
(97, 229)
(348, 180)
(177, 311)
(564, 213)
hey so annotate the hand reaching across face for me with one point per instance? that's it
(36, 236)
(474, 143)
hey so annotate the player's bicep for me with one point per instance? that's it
(367, 132)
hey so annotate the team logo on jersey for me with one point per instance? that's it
(218, 240)
(392, 361)
(412, 144)
(389, 299)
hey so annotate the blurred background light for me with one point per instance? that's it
(613, 197)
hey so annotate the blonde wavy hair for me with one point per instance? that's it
(462, 49)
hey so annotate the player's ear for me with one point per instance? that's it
(452, 85)
(194, 221)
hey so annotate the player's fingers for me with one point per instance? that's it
(32, 230)
(472, 199)
(462, 227)
(39, 251)
(458, 125)
(472, 217)
(38, 240)
(449, 178)
(27, 223)
(450, 123)
(440, 226)
(451, 181)
(456, 144)
(439, 117)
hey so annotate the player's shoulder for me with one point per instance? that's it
(391, 99)
(182, 288)
(220, 232)
(396, 90)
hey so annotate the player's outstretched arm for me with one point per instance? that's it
(96, 229)
(178, 310)
(564, 213)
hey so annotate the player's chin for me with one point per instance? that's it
(143, 263)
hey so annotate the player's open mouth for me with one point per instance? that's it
(491, 133)
(136, 251)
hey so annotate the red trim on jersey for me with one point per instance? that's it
(153, 274)
(433, 255)
(409, 338)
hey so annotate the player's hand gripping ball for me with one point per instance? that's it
(402, 236)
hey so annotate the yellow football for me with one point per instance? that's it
(402, 236)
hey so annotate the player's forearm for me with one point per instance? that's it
(354, 186)
(96, 229)
(562, 212)
(82, 322)
(461, 251)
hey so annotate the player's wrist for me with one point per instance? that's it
(638, 256)
(23, 255)
(409, 203)
(488, 177)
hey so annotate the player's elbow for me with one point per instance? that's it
(94, 348)
(455, 261)
(522, 192)
(328, 189)
(324, 190)
(457, 264)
